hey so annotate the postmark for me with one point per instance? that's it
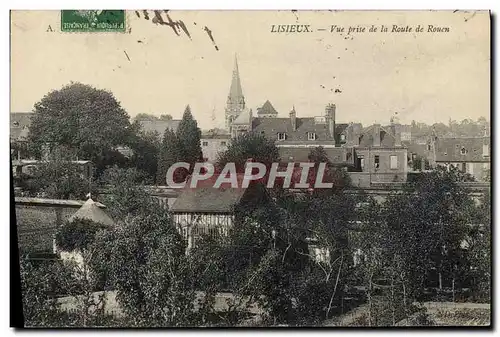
(93, 21)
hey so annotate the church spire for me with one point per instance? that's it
(235, 100)
(236, 97)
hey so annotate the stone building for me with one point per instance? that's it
(212, 144)
(380, 156)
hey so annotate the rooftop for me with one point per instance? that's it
(462, 149)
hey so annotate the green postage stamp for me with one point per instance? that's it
(93, 21)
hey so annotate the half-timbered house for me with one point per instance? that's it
(213, 210)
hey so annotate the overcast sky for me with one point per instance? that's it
(429, 77)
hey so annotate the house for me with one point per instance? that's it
(296, 136)
(207, 209)
(212, 144)
(380, 157)
(470, 155)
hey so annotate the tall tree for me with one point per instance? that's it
(189, 135)
(170, 153)
(83, 118)
(146, 150)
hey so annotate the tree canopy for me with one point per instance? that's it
(188, 136)
(248, 146)
(91, 121)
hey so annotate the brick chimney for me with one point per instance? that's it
(376, 134)
(330, 117)
(293, 119)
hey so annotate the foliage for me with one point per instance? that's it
(125, 193)
(479, 251)
(188, 136)
(77, 235)
(37, 285)
(249, 146)
(150, 272)
(59, 177)
(146, 148)
(170, 153)
(437, 213)
(88, 120)
(464, 128)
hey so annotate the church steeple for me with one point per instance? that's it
(235, 100)
(235, 92)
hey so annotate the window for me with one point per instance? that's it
(342, 138)
(362, 163)
(394, 162)
(463, 150)
(428, 147)
(377, 162)
(281, 136)
(205, 143)
(486, 150)
(223, 143)
(311, 136)
(16, 123)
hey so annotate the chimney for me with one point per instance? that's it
(330, 116)
(356, 133)
(293, 119)
(396, 131)
(376, 134)
(350, 135)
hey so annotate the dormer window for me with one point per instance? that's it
(281, 136)
(311, 136)
(463, 150)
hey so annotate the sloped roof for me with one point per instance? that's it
(207, 199)
(450, 149)
(270, 127)
(160, 126)
(52, 202)
(267, 109)
(91, 211)
(386, 137)
(337, 155)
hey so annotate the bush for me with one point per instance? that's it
(77, 235)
